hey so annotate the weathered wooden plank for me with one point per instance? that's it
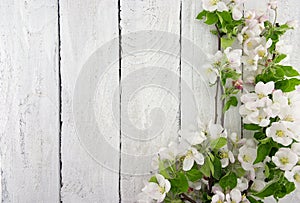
(89, 166)
(150, 86)
(29, 101)
(198, 43)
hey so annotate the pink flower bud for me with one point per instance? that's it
(272, 5)
(238, 84)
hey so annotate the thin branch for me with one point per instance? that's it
(219, 83)
(184, 197)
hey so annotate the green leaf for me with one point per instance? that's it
(163, 170)
(287, 85)
(280, 58)
(226, 16)
(232, 101)
(205, 168)
(289, 71)
(263, 150)
(267, 171)
(227, 42)
(179, 184)
(267, 191)
(153, 179)
(217, 168)
(259, 135)
(201, 15)
(228, 181)
(211, 18)
(252, 127)
(194, 174)
(218, 143)
(253, 200)
(229, 73)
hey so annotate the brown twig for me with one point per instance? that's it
(184, 197)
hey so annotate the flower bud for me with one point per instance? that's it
(272, 5)
(238, 84)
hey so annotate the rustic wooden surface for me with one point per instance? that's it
(45, 45)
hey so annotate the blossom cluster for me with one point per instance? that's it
(210, 163)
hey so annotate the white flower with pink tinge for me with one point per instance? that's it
(191, 156)
(157, 191)
(285, 159)
(212, 5)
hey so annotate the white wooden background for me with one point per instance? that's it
(43, 47)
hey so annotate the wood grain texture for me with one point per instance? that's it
(85, 27)
(140, 101)
(151, 95)
(29, 101)
(194, 70)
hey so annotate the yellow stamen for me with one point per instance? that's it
(280, 133)
(284, 160)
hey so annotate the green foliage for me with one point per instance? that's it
(264, 149)
(211, 18)
(232, 101)
(205, 168)
(194, 174)
(251, 127)
(217, 168)
(259, 135)
(287, 85)
(227, 73)
(279, 58)
(179, 184)
(227, 42)
(229, 181)
(218, 143)
(278, 187)
(253, 200)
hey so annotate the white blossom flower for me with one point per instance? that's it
(247, 157)
(193, 135)
(157, 191)
(258, 185)
(296, 148)
(212, 5)
(294, 176)
(169, 152)
(280, 101)
(262, 49)
(195, 185)
(234, 196)
(234, 57)
(226, 156)
(234, 137)
(280, 134)
(250, 44)
(191, 156)
(142, 197)
(285, 159)
(219, 197)
(216, 131)
(261, 117)
(250, 62)
(263, 90)
(237, 10)
(242, 184)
